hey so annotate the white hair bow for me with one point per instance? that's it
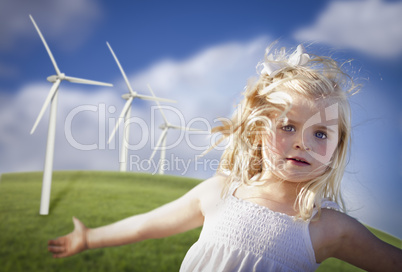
(297, 58)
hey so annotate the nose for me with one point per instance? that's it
(301, 147)
(299, 144)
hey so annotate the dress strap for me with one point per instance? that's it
(326, 203)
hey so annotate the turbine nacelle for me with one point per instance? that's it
(53, 78)
(164, 126)
(63, 76)
(132, 95)
(127, 96)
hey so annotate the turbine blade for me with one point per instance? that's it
(194, 129)
(163, 135)
(164, 141)
(159, 105)
(86, 81)
(122, 114)
(177, 127)
(153, 154)
(154, 98)
(184, 128)
(121, 69)
(49, 97)
(46, 46)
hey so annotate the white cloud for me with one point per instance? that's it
(67, 22)
(373, 27)
(206, 86)
(209, 78)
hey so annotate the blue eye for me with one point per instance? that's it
(320, 135)
(288, 128)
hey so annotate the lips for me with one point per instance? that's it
(298, 161)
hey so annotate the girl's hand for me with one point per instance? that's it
(70, 244)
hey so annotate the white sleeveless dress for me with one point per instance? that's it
(243, 236)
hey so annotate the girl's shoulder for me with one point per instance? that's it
(329, 217)
(210, 192)
(329, 227)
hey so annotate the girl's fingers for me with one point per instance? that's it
(57, 242)
(56, 249)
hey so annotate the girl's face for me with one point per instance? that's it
(304, 141)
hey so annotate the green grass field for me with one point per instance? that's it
(96, 198)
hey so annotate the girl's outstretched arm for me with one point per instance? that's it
(345, 238)
(175, 217)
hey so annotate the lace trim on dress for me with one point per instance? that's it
(327, 203)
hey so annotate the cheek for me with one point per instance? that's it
(280, 146)
(332, 149)
(321, 149)
(281, 143)
(323, 152)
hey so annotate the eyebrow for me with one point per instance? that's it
(327, 128)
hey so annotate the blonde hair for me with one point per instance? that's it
(320, 77)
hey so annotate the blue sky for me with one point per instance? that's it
(200, 54)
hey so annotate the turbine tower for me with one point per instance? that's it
(52, 99)
(126, 113)
(162, 138)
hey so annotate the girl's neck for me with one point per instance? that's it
(276, 189)
(275, 195)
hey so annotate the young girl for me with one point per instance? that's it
(275, 203)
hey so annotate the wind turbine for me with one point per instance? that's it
(126, 113)
(162, 138)
(52, 99)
